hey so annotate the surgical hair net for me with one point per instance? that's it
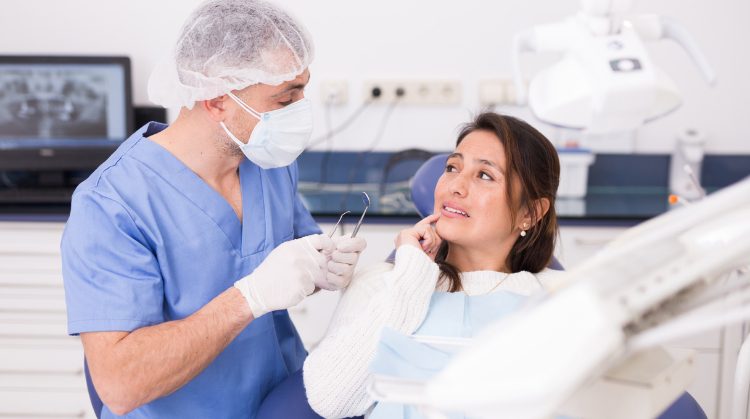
(229, 45)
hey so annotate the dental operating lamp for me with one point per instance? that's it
(606, 82)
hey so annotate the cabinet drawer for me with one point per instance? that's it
(29, 277)
(45, 404)
(41, 383)
(41, 360)
(17, 329)
(24, 299)
(30, 238)
(30, 263)
(576, 244)
(703, 389)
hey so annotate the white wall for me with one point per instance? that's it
(466, 41)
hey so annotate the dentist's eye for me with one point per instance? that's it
(286, 103)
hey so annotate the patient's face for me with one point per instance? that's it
(471, 194)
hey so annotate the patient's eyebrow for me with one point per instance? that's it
(491, 164)
(479, 161)
(488, 163)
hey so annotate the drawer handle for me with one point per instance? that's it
(33, 310)
(77, 372)
(77, 414)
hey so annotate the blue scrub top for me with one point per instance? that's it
(148, 241)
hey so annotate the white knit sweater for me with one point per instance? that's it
(397, 296)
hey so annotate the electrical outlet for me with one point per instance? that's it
(492, 92)
(334, 92)
(413, 92)
(501, 91)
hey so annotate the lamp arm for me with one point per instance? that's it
(522, 42)
(672, 29)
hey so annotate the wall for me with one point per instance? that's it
(467, 41)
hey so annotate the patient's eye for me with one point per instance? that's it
(485, 176)
(450, 168)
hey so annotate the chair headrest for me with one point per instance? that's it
(423, 184)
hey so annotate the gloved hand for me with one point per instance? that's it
(342, 262)
(287, 275)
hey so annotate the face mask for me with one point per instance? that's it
(279, 137)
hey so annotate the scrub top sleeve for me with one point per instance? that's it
(112, 278)
(304, 224)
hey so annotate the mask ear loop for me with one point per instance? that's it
(244, 105)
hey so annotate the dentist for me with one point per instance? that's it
(184, 249)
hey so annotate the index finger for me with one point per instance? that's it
(429, 219)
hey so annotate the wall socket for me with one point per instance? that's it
(413, 92)
(334, 92)
(501, 91)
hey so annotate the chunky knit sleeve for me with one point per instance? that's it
(337, 371)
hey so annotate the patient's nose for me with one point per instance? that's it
(458, 186)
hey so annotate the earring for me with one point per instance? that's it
(523, 231)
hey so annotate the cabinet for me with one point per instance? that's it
(41, 367)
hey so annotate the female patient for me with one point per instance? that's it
(492, 235)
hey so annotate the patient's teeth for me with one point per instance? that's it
(455, 211)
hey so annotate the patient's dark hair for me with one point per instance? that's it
(533, 159)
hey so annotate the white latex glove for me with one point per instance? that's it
(287, 275)
(342, 262)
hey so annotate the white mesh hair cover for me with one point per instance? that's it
(228, 45)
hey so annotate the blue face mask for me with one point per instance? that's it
(279, 137)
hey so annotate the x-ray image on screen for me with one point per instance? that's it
(53, 103)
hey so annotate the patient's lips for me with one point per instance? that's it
(452, 210)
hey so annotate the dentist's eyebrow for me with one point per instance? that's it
(294, 86)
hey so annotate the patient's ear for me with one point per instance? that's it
(541, 206)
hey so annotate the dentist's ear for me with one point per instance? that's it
(541, 206)
(216, 108)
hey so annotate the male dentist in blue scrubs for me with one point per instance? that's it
(184, 249)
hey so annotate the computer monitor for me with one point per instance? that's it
(62, 113)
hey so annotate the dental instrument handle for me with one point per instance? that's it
(366, 201)
(359, 223)
(337, 223)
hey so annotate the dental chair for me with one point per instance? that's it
(423, 191)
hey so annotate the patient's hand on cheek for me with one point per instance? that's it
(422, 235)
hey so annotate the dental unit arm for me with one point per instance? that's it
(679, 274)
(606, 81)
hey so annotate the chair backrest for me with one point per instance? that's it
(685, 407)
(423, 191)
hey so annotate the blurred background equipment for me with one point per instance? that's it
(606, 81)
